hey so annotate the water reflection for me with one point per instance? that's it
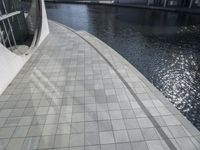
(163, 46)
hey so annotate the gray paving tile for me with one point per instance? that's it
(61, 141)
(106, 137)
(103, 116)
(186, 144)
(131, 123)
(115, 114)
(17, 112)
(21, 131)
(171, 120)
(135, 105)
(92, 138)
(91, 127)
(63, 128)
(42, 110)
(25, 121)
(66, 109)
(150, 134)
(160, 121)
(39, 120)
(155, 145)
(77, 148)
(65, 118)
(31, 143)
(113, 106)
(76, 140)
(61, 149)
(12, 122)
(54, 110)
(35, 130)
(164, 144)
(105, 125)
(135, 135)
(93, 147)
(46, 142)
(29, 112)
(177, 131)
(102, 107)
(6, 132)
(90, 107)
(125, 146)
(91, 116)
(77, 127)
(164, 111)
(49, 129)
(128, 113)
(15, 143)
(121, 136)
(195, 142)
(2, 121)
(145, 123)
(118, 124)
(3, 143)
(139, 146)
(110, 92)
(108, 147)
(52, 119)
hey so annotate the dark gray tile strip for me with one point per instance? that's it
(151, 118)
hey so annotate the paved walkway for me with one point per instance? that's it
(76, 93)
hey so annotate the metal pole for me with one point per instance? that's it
(165, 3)
(9, 24)
(2, 38)
(17, 15)
(191, 2)
(4, 25)
(147, 2)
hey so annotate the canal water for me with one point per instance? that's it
(163, 46)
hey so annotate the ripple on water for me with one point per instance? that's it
(163, 46)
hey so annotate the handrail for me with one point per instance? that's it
(6, 16)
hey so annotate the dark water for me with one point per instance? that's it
(163, 46)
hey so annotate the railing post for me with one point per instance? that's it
(191, 3)
(9, 24)
(165, 3)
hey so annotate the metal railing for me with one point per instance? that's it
(10, 23)
(7, 30)
(16, 29)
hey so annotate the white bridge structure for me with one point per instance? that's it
(15, 25)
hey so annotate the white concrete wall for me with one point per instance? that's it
(45, 26)
(10, 65)
(32, 21)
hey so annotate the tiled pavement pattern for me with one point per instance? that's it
(69, 97)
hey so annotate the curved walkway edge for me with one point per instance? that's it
(77, 92)
(107, 53)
